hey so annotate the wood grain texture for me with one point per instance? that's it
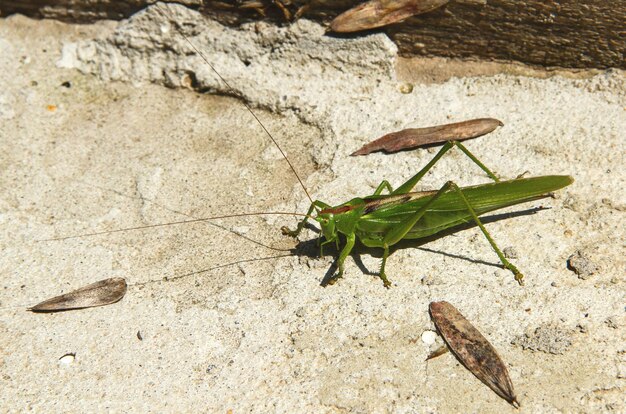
(565, 33)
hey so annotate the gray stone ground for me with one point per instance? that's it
(114, 148)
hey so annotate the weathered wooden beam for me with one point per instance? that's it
(565, 33)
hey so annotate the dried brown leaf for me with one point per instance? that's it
(473, 350)
(417, 137)
(378, 13)
(104, 292)
(438, 352)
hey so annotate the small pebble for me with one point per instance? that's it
(429, 337)
(510, 253)
(187, 81)
(405, 88)
(581, 264)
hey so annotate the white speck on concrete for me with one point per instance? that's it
(429, 337)
(67, 360)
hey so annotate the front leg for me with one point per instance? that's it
(322, 244)
(294, 233)
(350, 240)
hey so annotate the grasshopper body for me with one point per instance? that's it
(383, 220)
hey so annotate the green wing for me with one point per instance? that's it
(449, 210)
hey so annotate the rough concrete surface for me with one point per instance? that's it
(92, 141)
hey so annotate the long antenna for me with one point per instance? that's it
(232, 90)
(197, 272)
(146, 199)
(172, 223)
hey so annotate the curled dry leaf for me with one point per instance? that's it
(378, 13)
(104, 292)
(417, 137)
(473, 350)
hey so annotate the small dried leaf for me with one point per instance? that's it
(438, 352)
(104, 292)
(417, 137)
(378, 13)
(284, 10)
(473, 350)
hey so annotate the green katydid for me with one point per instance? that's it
(383, 220)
